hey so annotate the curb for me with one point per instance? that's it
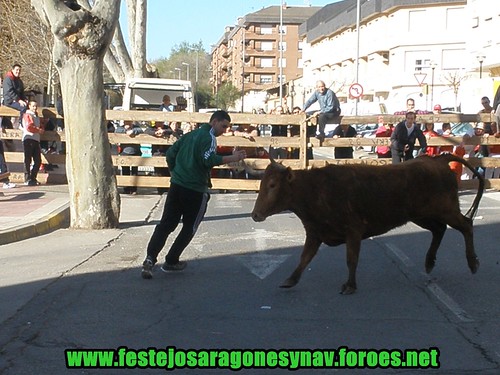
(57, 219)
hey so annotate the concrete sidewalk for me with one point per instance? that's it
(29, 211)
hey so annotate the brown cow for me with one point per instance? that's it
(347, 203)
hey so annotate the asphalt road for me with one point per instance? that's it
(82, 289)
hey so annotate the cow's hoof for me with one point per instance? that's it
(347, 289)
(288, 283)
(473, 265)
(429, 266)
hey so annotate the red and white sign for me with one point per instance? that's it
(356, 90)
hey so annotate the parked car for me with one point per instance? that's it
(460, 129)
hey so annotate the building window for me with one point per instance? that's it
(300, 63)
(266, 46)
(417, 18)
(301, 46)
(281, 46)
(266, 63)
(421, 64)
(282, 29)
(266, 79)
(455, 19)
(417, 61)
(453, 58)
(266, 29)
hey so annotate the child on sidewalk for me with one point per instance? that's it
(31, 142)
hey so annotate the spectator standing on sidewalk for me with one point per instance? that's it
(190, 161)
(32, 129)
(329, 107)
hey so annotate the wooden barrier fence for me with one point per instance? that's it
(301, 142)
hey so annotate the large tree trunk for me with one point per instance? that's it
(81, 37)
(92, 183)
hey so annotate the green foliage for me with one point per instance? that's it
(226, 96)
(194, 55)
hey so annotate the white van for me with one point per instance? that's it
(147, 94)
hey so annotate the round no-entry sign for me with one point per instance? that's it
(356, 90)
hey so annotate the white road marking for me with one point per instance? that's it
(262, 265)
(400, 254)
(433, 287)
(449, 302)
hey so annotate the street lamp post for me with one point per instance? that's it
(280, 79)
(179, 70)
(243, 69)
(195, 74)
(358, 19)
(480, 58)
(187, 70)
(433, 67)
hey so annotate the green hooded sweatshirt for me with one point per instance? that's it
(192, 158)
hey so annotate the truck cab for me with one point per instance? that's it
(147, 94)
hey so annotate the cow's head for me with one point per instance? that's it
(274, 193)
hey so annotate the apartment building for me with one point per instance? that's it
(262, 47)
(407, 48)
(442, 52)
(438, 52)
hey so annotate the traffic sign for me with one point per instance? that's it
(356, 90)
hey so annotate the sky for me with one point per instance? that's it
(170, 23)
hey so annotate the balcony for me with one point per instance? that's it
(226, 52)
(260, 70)
(255, 36)
(258, 86)
(260, 53)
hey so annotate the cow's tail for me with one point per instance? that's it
(475, 204)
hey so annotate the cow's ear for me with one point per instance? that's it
(290, 175)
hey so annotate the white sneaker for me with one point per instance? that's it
(8, 185)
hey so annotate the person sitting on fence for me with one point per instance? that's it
(13, 90)
(403, 139)
(32, 129)
(344, 131)
(131, 129)
(329, 107)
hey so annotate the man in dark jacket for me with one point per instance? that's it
(344, 131)
(13, 90)
(403, 139)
